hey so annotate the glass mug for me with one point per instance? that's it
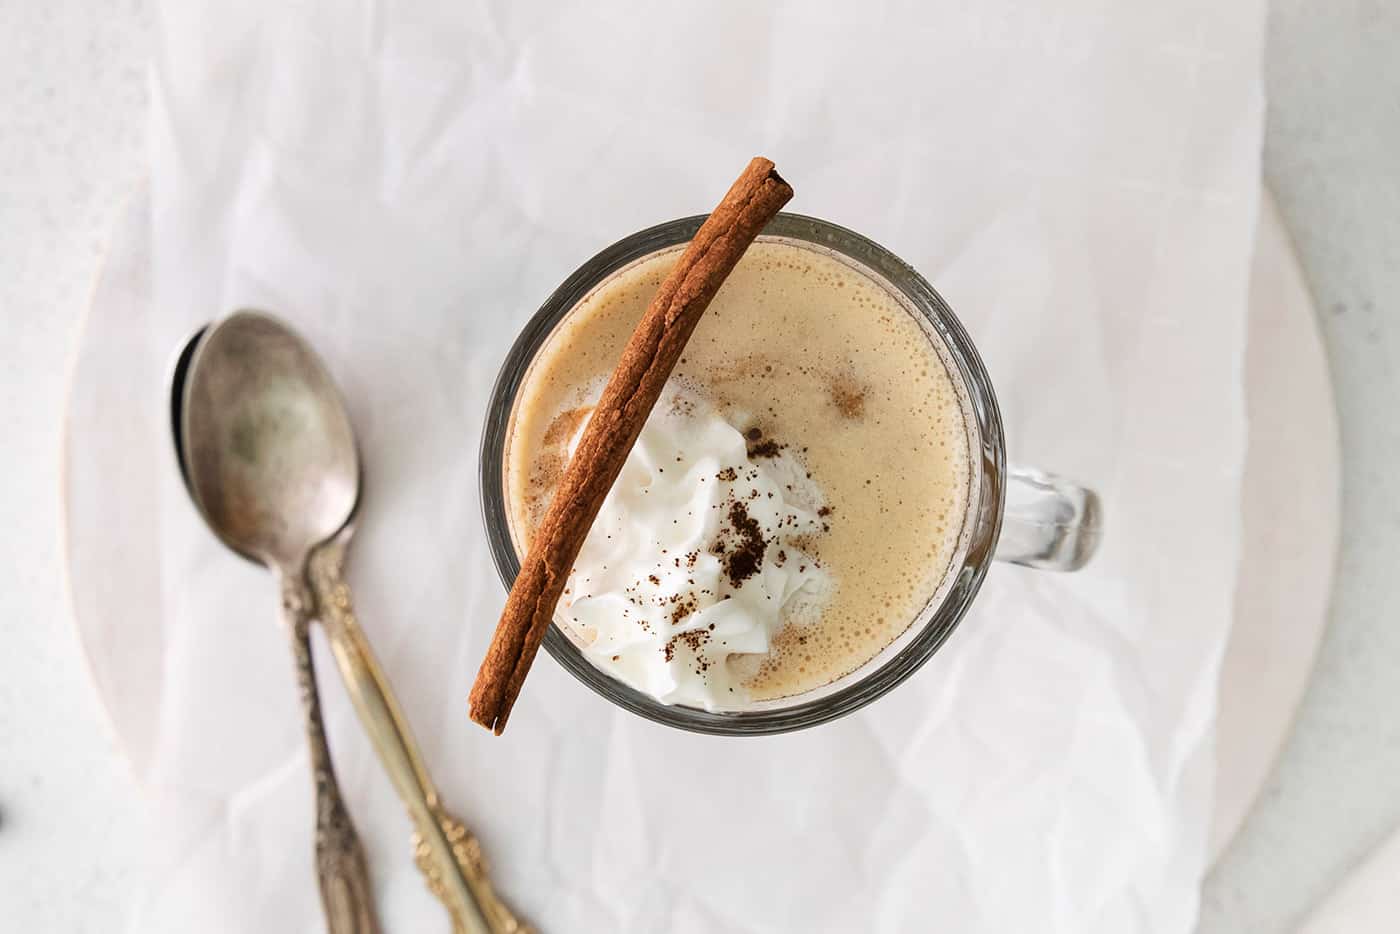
(1013, 514)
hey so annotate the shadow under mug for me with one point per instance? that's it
(1014, 514)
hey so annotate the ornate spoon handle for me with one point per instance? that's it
(448, 856)
(466, 853)
(346, 896)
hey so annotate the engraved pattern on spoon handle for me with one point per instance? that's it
(341, 871)
(467, 851)
(460, 883)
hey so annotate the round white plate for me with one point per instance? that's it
(1292, 523)
(117, 405)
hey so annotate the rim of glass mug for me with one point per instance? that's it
(1060, 515)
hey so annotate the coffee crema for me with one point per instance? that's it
(809, 357)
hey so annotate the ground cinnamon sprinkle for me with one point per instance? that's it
(565, 425)
(746, 557)
(848, 396)
(694, 639)
(683, 608)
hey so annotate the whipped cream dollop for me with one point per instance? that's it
(691, 567)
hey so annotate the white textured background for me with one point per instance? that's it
(72, 125)
(72, 138)
(1332, 157)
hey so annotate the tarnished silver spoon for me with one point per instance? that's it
(282, 542)
(269, 456)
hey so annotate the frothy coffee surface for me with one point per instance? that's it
(808, 357)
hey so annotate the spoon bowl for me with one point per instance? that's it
(265, 443)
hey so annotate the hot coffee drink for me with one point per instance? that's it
(795, 500)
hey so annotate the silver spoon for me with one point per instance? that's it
(270, 459)
(346, 895)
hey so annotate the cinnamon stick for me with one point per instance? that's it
(632, 390)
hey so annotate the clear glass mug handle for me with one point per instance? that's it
(1049, 523)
